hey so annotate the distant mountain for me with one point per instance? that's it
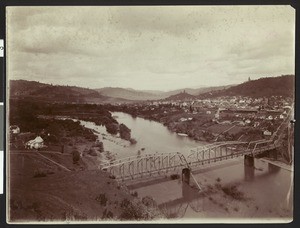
(128, 94)
(180, 96)
(135, 95)
(196, 92)
(53, 93)
(263, 87)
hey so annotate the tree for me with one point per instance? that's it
(76, 156)
(125, 132)
(112, 128)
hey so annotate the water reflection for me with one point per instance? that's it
(267, 189)
(249, 172)
(191, 198)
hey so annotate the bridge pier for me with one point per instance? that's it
(249, 167)
(249, 160)
(186, 174)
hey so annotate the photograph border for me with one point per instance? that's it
(3, 198)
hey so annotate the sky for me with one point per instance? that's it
(149, 48)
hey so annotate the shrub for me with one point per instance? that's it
(174, 176)
(112, 128)
(76, 156)
(112, 176)
(125, 203)
(132, 211)
(148, 201)
(125, 132)
(39, 173)
(92, 152)
(233, 192)
(102, 199)
(109, 215)
(135, 194)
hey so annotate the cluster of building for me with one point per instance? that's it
(259, 113)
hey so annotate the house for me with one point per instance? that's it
(267, 133)
(208, 112)
(281, 116)
(248, 121)
(270, 117)
(183, 119)
(36, 143)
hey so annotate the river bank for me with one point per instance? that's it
(199, 126)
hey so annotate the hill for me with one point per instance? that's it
(181, 96)
(263, 87)
(54, 93)
(128, 94)
(196, 91)
(135, 95)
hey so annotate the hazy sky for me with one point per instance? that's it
(157, 48)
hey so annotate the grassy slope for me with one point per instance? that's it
(61, 195)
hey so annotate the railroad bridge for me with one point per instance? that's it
(161, 164)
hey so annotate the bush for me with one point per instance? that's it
(92, 152)
(125, 132)
(112, 128)
(233, 192)
(135, 194)
(112, 176)
(148, 201)
(39, 173)
(102, 199)
(174, 176)
(132, 211)
(76, 156)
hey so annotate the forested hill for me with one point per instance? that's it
(53, 93)
(263, 87)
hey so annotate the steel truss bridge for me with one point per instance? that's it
(160, 164)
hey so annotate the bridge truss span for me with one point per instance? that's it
(145, 165)
(168, 163)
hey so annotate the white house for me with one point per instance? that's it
(36, 143)
(267, 133)
(270, 118)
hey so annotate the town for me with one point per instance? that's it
(218, 119)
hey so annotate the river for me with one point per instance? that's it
(268, 190)
(151, 137)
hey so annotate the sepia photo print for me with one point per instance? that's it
(153, 114)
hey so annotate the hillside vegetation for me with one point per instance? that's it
(263, 87)
(53, 93)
